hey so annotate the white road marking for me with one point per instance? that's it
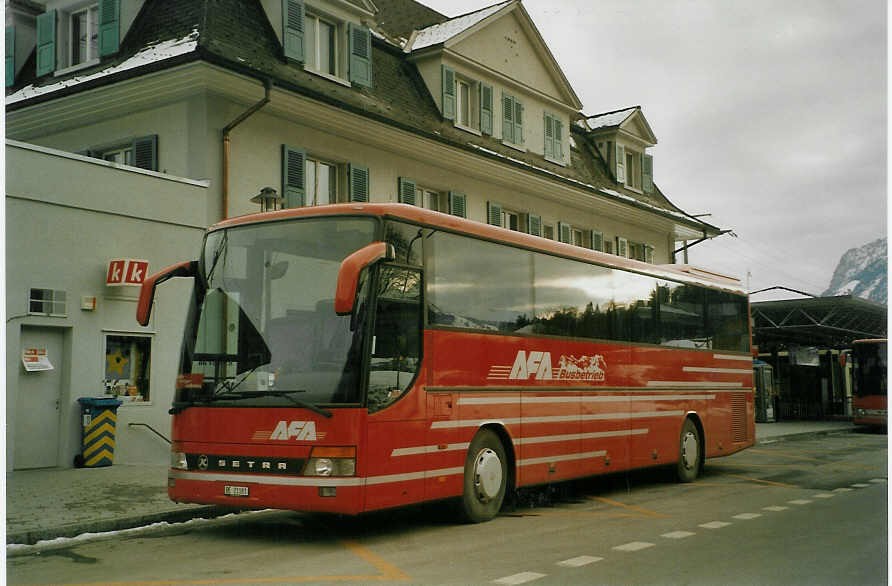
(825, 495)
(879, 480)
(633, 546)
(860, 485)
(521, 578)
(800, 502)
(580, 561)
(747, 516)
(843, 489)
(677, 534)
(714, 525)
(775, 509)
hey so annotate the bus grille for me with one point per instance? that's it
(739, 428)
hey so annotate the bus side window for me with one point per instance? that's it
(396, 345)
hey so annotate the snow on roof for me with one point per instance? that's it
(603, 191)
(609, 119)
(440, 33)
(151, 54)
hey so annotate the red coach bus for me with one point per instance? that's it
(869, 382)
(350, 358)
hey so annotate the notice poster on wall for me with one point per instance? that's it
(36, 360)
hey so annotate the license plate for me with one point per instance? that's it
(235, 490)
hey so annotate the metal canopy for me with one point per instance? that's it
(820, 321)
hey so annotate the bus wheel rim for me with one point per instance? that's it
(487, 475)
(689, 450)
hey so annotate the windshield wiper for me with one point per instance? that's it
(239, 395)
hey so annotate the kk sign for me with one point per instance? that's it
(126, 271)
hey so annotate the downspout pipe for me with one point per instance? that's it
(267, 86)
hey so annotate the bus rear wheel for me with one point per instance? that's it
(486, 478)
(690, 455)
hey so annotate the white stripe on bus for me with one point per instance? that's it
(732, 357)
(584, 399)
(717, 370)
(419, 450)
(692, 384)
(553, 419)
(564, 458)
(315, 481)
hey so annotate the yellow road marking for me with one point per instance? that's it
(388, 573)
(639, 510)
(760, 481)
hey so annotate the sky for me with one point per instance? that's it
(769, 115)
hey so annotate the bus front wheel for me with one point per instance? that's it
(486, 477)
(690, 459)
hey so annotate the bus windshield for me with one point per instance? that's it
(262, 329)
(870, 368)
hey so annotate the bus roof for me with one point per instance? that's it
(447, 222)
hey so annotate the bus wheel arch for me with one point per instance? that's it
(691, 449)
(488, 474)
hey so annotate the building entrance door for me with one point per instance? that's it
(36, 421)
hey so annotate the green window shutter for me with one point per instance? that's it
(647, 173)
(620, 162)
(507, 118)
(46, 43)
(448, 75)
(293, 19)
(534, 225)
(145, 152)
(358, 180)
(564, 233)
(558, 138)
(597, 240)
(109, 27)
(406, 191)
(486, 109)
(518, 122)
(622, 247)
(360, 55)
(549, 136)
(294, 175)
(648, 254)
(10, 56)
(458, 204)
(493, 213)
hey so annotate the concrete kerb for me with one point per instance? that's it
(804, 435)
(33, 536)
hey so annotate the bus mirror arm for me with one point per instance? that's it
(187, 268)
(351, 267)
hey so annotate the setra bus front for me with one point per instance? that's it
(269, 408)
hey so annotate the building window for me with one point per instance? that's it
(641, 251)
(51, 302)
(322, 183)
(83, 27)
(140, 152)
(548, 231)
(127, 366)
(468, 104)
(323, 51)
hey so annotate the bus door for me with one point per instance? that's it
(396, 429)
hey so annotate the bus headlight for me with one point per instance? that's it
(331, 462)
(178, 461)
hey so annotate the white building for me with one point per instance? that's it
(111, 104)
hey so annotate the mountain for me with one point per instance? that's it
(861, 272)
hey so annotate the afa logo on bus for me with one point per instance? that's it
(297, 430)
(538, 365)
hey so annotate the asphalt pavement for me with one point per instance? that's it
(46, 504)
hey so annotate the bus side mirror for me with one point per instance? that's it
(351, 267)
(187, 268)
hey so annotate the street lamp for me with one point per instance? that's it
(268, 199)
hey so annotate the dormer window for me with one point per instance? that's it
(466, 101)
(634, 169)
(329, 45)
